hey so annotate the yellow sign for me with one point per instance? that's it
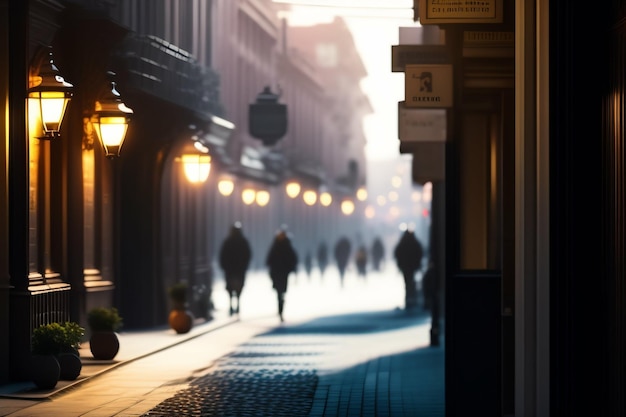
(428, 86)
(460, 11)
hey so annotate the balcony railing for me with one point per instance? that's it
(170, 73)
(49, 303)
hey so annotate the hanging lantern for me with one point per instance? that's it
(267, 118)
(292, 189)
(196, 167)
(111, 121)
(51, 93)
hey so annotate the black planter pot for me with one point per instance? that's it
(45, 371)
(70, 365)
(104, 345)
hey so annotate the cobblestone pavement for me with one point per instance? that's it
(328, 366)
(342, 351)
(247, 384)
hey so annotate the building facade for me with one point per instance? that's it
(85, 230)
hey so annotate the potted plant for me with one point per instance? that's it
(46, 344)
(68, 356)
(103, 324)
(54, 349)
(180, 318)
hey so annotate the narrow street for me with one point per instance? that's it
(342, 350)
(335, 339)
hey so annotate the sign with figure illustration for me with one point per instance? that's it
(428, 86)
(460, 11)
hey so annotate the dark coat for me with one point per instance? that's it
(322, 256)
(408, 253)
(342, 252)
(378, 253)
(281, 261)
(234, 259)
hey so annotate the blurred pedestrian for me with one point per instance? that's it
(234, 258)
(360, 260)
(322, 257)
(378, 253)
(281, 261)
(342, 254)
(408, 253)
(308, 264)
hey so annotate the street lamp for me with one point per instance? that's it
(196, 167)
(248, 196)
(51, 93)
(226, 186)
(347, 207)
(267, 118)
(110, 121)
(292, 189)
(309, 197)
(326, 198)
(361, 194)
(262, 198)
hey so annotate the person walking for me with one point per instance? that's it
(361, 261)
(408, 253)
(342, 254)
(234, 258)
(378, 253)
(281, 261)
(322, 257)
(308, 264)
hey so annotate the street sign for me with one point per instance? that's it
(428, 86)
(460, 11)
(402, 55)
(421, 125)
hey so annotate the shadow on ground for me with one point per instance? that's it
(356, 323)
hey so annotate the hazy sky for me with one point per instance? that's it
(374, 37)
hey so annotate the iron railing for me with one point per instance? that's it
(170, 73)
(49, 303)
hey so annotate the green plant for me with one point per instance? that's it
(53, 338)
(102, 319)
(178, 292)
(73, 333)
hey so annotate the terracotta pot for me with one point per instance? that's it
(181, 320)
(70, 366)
(104, 345)
(45, 371)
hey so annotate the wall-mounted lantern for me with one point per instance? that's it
(262, 198)
(309, 197)
(248, 196)
(326, 198)
(226, 186)
(292, 189)
(196, 167)
(110, 122)
(51, 93)
(361, 194)
(267, 118)
(347, 207)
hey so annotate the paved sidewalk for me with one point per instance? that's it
(134, 345)
(345, 361)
